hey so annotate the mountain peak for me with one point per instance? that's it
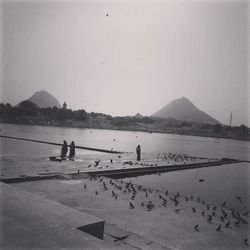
(44, 99)
(183, 109)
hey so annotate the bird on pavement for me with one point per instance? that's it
(218, 229)
(196, 227)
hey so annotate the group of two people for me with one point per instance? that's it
(72, 150)
(64, 150)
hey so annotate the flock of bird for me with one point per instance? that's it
(160, 159)
(180, 158)
(150, 199)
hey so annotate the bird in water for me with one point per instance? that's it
(85, 186)
(96, 193)
(194, 210)
(196, 228)
(203, 213)
(218, 229)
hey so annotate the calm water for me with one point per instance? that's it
(221, 183)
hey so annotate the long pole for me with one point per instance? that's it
(58, 144)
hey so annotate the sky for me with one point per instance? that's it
(123, 57)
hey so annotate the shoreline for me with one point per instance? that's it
(130, 130)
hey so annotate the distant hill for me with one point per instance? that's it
(185, 110)
(43, 99)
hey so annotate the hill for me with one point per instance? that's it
(185, 110)
(43, 99)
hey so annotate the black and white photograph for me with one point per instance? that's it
(124, 124)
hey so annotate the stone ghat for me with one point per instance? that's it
(149, 216)
(17, 169)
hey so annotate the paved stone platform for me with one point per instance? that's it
(30, 221)
(150, 220)
(12, 166)
(165, 225)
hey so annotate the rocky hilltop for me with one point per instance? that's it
(183, 109)
(43, 99)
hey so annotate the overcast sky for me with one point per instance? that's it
(140, 57)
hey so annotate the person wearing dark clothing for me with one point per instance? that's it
(72, 150)
(64, 149)
(138, 152)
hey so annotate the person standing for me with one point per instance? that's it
(72, 150)
(138, 152)
(64, 149)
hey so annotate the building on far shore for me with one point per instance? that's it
(65, 105)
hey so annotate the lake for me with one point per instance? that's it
(221, 183)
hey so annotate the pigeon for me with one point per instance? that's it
(238, 198)
(246, 213)
(218, 229)
(177, 211)
(131, 206)
(222, 219)
(196, 227)
(246, 242)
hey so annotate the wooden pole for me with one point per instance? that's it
(58, 144)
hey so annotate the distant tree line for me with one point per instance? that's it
(27, 111)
